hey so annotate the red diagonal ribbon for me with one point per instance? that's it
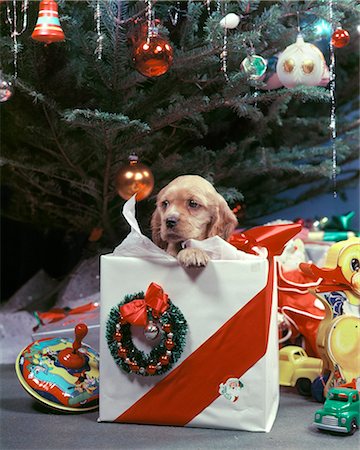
(194, 384)
(273, 237)
(135, 312)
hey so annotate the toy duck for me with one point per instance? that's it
(338, 338)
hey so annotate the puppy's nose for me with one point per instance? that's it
(171, 222)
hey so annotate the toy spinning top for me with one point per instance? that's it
(62, 374)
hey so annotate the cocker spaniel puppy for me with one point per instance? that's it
(190, 208)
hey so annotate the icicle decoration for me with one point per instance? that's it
(151, 29)
(224, 53)
(223, 56)
(333, 107)
(99, 41)
(12, 20)
(174, 14)
(208, 6)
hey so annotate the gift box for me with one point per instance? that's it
(61, 322)
(222, 371)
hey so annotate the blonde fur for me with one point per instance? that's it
(189, 207)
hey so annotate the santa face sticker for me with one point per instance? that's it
(231, 389)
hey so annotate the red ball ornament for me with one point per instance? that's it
(151, 369)
(164, 360)
(118, 336)
(153, 55)
(133, 366)
(122, 352)
(340, 38)
(166, 327)
(134, 178)
(169, 344)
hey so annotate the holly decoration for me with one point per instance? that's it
(154, 309)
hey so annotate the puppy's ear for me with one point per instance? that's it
(224, 221)
(155, 230)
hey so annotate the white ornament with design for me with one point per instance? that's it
(301, 64)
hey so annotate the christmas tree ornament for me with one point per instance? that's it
(153, 55)
(95, 234)
(230, 21)
(141, 310)
(322, 28)
(254, 66)
(134, 178)
(6, 88)
(300, 64)
(48, 28)
(60, 373)
(12, 19)
(340, 38)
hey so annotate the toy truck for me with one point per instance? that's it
(298, 369)
(341, 411)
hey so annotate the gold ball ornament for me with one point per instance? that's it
(134, 178)
(301, 64)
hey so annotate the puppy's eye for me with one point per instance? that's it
(165, 204)
(193, 204)
(355, 265)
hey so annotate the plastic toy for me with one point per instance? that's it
(298, 369)
(61, 373)
(338, 337)
(341, 411)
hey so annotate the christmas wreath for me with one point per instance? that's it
(156, 314)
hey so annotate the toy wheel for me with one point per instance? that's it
(303, 386)
(353, 427)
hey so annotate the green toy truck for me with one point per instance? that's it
(341, 411)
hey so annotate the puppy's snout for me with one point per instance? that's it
(171, 222)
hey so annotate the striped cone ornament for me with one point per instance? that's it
(48, 28)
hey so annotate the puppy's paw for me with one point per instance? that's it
(193, 257)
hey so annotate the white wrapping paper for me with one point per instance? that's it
(209, 298)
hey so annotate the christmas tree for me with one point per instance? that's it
(80, 107)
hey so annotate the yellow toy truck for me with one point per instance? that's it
(298, 369)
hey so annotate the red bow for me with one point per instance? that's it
(135, 312)
(273, 237)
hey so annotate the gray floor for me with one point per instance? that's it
(26, 425)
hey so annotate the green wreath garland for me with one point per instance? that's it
(173, 329)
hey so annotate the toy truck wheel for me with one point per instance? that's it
(353, 427)
(303, 386)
